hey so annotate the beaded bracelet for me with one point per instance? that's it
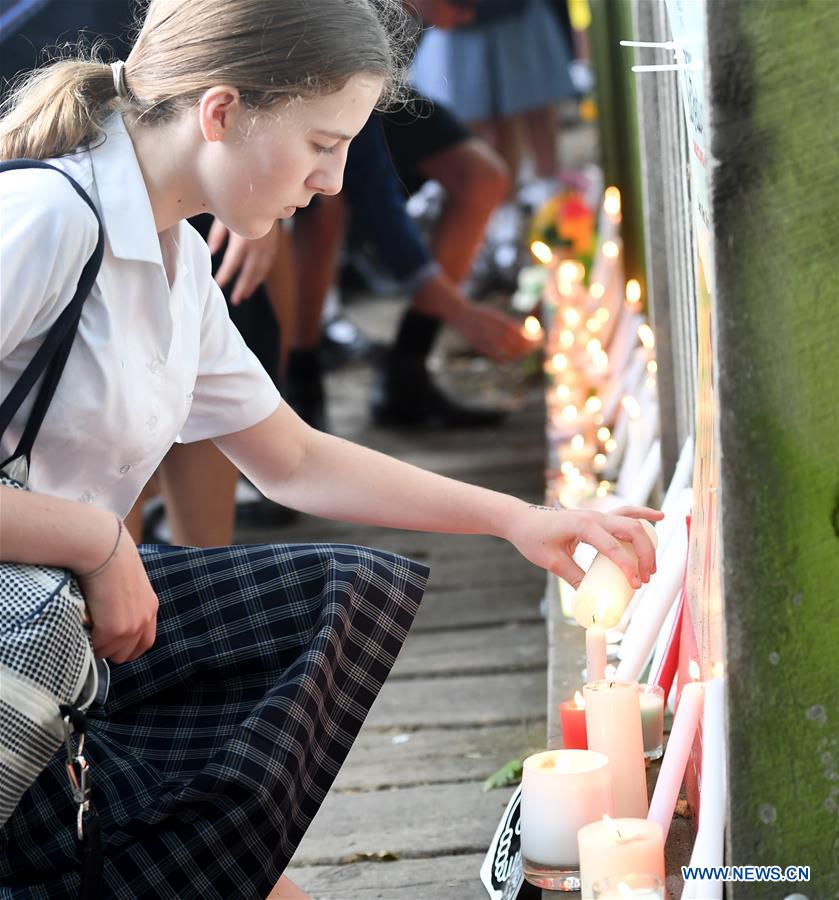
(99, 569)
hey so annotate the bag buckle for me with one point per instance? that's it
(78, 774)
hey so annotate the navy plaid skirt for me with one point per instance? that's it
(215, 749)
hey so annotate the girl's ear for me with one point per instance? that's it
(217, 111)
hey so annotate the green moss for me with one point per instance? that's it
(773, 79)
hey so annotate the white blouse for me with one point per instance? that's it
(151, 364)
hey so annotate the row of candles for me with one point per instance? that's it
(586, 822)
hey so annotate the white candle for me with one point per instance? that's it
(595, 653)
(651, 698)
(561, 790)
(613, 727)
(708, 846)
(619, 847)
(676, 755)
(604, 592)
(661, 593)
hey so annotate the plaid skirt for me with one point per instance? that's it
(214, 750)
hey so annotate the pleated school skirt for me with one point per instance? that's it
(214, 750)
(498, 68)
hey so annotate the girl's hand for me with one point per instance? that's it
(122, 605)
(248, 261)
(548, 537)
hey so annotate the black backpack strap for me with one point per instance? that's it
(51, 356)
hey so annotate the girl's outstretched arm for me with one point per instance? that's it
(327, 476)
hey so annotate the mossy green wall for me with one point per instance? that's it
(774, 112)
(618, 123)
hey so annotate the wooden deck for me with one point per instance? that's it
(406, 818)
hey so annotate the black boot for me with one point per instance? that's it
(404, 395)
(303, 389)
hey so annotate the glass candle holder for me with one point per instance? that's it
(562, 790)
(629, 887)
(651, 699)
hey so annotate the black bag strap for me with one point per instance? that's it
(51, 356)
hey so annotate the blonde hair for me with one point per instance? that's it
(268, 50)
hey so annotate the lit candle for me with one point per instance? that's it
(532, 329)
(604, 591)
(678, 750)
(572, 717)
(651, 698)
(613, 727)
(595, 653)
(616, 847)
(561, 791)
(629, 887)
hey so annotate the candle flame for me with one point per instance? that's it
(601, 359)
(542, 252)
(633, 291)
(611, 250)
(719, 669)
(532, 327)
(693, 670)
(647, 335)
(611, 445)
(560, 362)
(567, 467)
(594, 324)
(600, 610)
(571, 270)
(571, 317)
(597, 290)
(593, 405)
(599, 462)
(603, 314)
(594, 346)
(613, 827)
(563, 392)
(566, 338)
(603, 433)
(569, 413)
(652, 367)
(578, 442)
(612, 201)
(631, 405)
(578, 700)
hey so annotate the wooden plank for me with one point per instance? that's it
(510, 647)
(447, 819)
(395, 758)
(465, 607)
(465, 700)
(455, 877)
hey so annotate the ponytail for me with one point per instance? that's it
(267, 49)
(55, 110)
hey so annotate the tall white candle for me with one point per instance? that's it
(619, 847)
(595, 653)
(604, 591)
(613, 727)
(676, 755)
(661, 593)
(708, 846)
(561, 790)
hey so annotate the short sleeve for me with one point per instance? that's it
(47, 234)
(232, 391)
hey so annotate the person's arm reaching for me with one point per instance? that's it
(326, 476)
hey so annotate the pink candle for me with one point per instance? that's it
(595, 653)
(676, 754)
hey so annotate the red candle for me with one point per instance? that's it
(572, 715)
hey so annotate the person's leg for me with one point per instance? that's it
(199, 486)
(286, 889)
(542, 130)
(317, 238)
(476, 181)
(504, 134)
